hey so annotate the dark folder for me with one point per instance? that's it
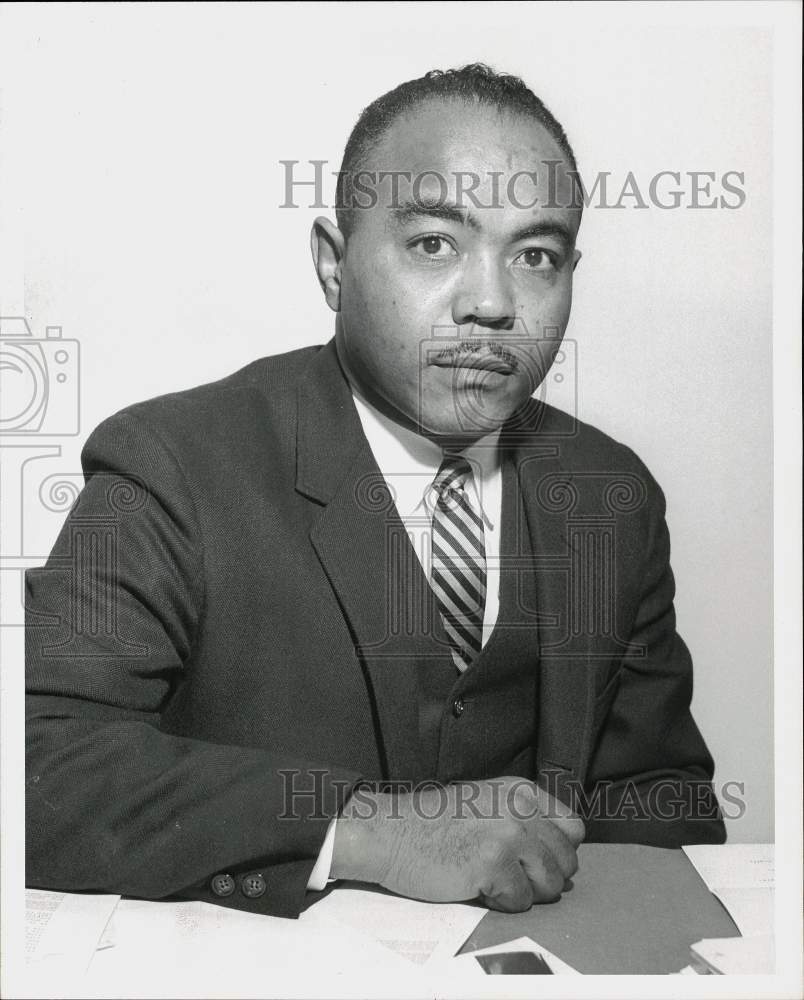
(631, 909)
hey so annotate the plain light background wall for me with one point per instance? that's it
(153, 235)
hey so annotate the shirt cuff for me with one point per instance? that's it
(319, 876)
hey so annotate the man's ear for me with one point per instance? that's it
(327, 244)
(576, 256)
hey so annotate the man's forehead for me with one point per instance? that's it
(454, 136)
(450, 152)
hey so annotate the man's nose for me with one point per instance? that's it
(485, 296)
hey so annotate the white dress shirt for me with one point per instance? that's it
(409, 463)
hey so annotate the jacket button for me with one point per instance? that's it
(457, 708)
(253, 886)
(222, 885)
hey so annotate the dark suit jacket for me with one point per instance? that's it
(210, 632)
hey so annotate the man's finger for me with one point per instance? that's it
(543, 872)
(526, 801)
(509, 891)
(559, 845)
(562, 816)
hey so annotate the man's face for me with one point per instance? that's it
(453, 300)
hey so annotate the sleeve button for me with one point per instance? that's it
(253, 886)
(222, 885)
(458, 707)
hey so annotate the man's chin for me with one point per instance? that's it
(465, 428)
(473, 407)
(459, 417)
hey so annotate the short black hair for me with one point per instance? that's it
(475, 83)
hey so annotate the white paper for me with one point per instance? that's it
(737, 956)
(750, 909)
(468, 964)
(733, 866)
(191, 949)
(422, 933)
(742, 877)
(213, 933)
(62, 930)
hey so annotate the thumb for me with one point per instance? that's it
(552, 808)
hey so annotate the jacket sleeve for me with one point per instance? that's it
(115, 802)
(650, 776)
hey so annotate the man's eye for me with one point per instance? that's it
(434, 246)
(537, 260)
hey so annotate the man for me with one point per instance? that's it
(370, 611)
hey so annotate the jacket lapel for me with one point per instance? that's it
(567, 664)
(365, 552)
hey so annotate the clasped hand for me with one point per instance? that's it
(504, 841)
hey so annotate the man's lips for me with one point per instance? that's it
(505, 364)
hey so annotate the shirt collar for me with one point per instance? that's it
(409, 462)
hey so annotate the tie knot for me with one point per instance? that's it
(452, 475)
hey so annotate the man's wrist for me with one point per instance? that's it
(364, 840)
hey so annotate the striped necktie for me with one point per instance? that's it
(458, 568)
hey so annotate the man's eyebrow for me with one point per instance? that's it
(558, 230)
(409, 211)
